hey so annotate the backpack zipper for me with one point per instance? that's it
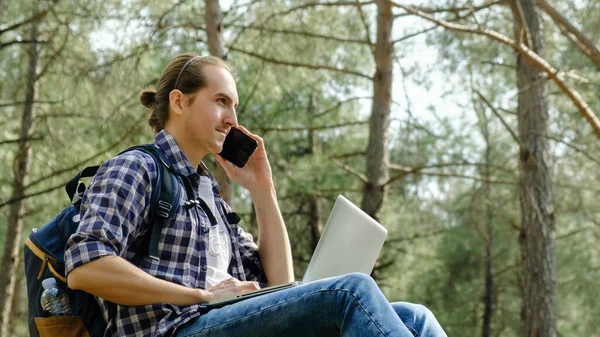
(46, 260)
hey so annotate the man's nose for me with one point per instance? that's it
(231, 118)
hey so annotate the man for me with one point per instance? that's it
(201, 259)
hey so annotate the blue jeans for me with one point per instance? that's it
(349, 306)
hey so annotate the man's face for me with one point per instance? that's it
(209, 117)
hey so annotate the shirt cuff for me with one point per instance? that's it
(84, 252)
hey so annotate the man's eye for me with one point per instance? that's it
(222, 100)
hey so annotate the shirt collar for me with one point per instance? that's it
(203, 171)
(172, 151)
(165, 141)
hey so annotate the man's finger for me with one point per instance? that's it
(253, 285)
(226, 283)
(248, 287)
(223, 162)
(250, 134)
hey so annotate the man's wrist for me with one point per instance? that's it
(202, 296)
(262, 196)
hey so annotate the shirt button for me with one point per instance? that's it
(196, 180)
(204, 229)
(204, 267)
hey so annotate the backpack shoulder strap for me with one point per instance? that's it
(165, 195)
(232, 217)
(75, 188)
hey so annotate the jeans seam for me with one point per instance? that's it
(291, 299)
(412, 330)
(360, 305)
(251, 314)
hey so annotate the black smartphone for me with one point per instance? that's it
(238, 147)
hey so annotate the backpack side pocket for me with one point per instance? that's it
(64, 326)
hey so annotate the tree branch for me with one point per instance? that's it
(27, 196)
(313, 128)
(552, 72)
(512, 133)
(78, 165)
(410, 36)
(363, 19)
(5, 105)
(472, 12)
(350, 154)
(592, 51)
(136, 52)
(415, 236)
(351, 170)
(575, 231)
(11, 141)
(456, 10)
(499, 64)
(339, 104)
(19, 41)
(123, 137)
(242, 107)
(236, 6)
(35, 17)
(317, 4)
(419, 170)
(56, 55)
(74, 115)
(301, 33)
(300, 65)
(577, 149)
(576, 187)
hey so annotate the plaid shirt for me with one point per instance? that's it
(114, 214)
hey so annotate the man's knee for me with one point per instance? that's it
(424, 312)
(411, 312)
(357, 280)
(358, 277)
(354, 283)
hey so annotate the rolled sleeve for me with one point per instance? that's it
(250, 258)
(113, 210)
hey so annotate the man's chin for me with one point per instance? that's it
(218, 148)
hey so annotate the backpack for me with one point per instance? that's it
(45, 248)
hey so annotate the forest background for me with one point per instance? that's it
(467, 128)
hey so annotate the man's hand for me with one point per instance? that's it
(256, 174)
(274, 245)
(231, 287)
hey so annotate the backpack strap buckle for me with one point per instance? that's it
(78, 196)
(163, 209)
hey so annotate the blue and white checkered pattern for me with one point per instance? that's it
(114, 214)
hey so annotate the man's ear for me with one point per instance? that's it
(176, 101)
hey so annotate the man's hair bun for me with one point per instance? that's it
(148, 98)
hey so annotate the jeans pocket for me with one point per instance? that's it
(64, 326)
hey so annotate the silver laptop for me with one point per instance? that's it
(350, 242)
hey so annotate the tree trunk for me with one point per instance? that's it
(1, 11)
(17, 303)
(488, 296)
(315, 223)
(12, 246)
(214, 17)
(537, 237)
(377, 150)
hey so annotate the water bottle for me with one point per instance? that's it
(54, 299)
